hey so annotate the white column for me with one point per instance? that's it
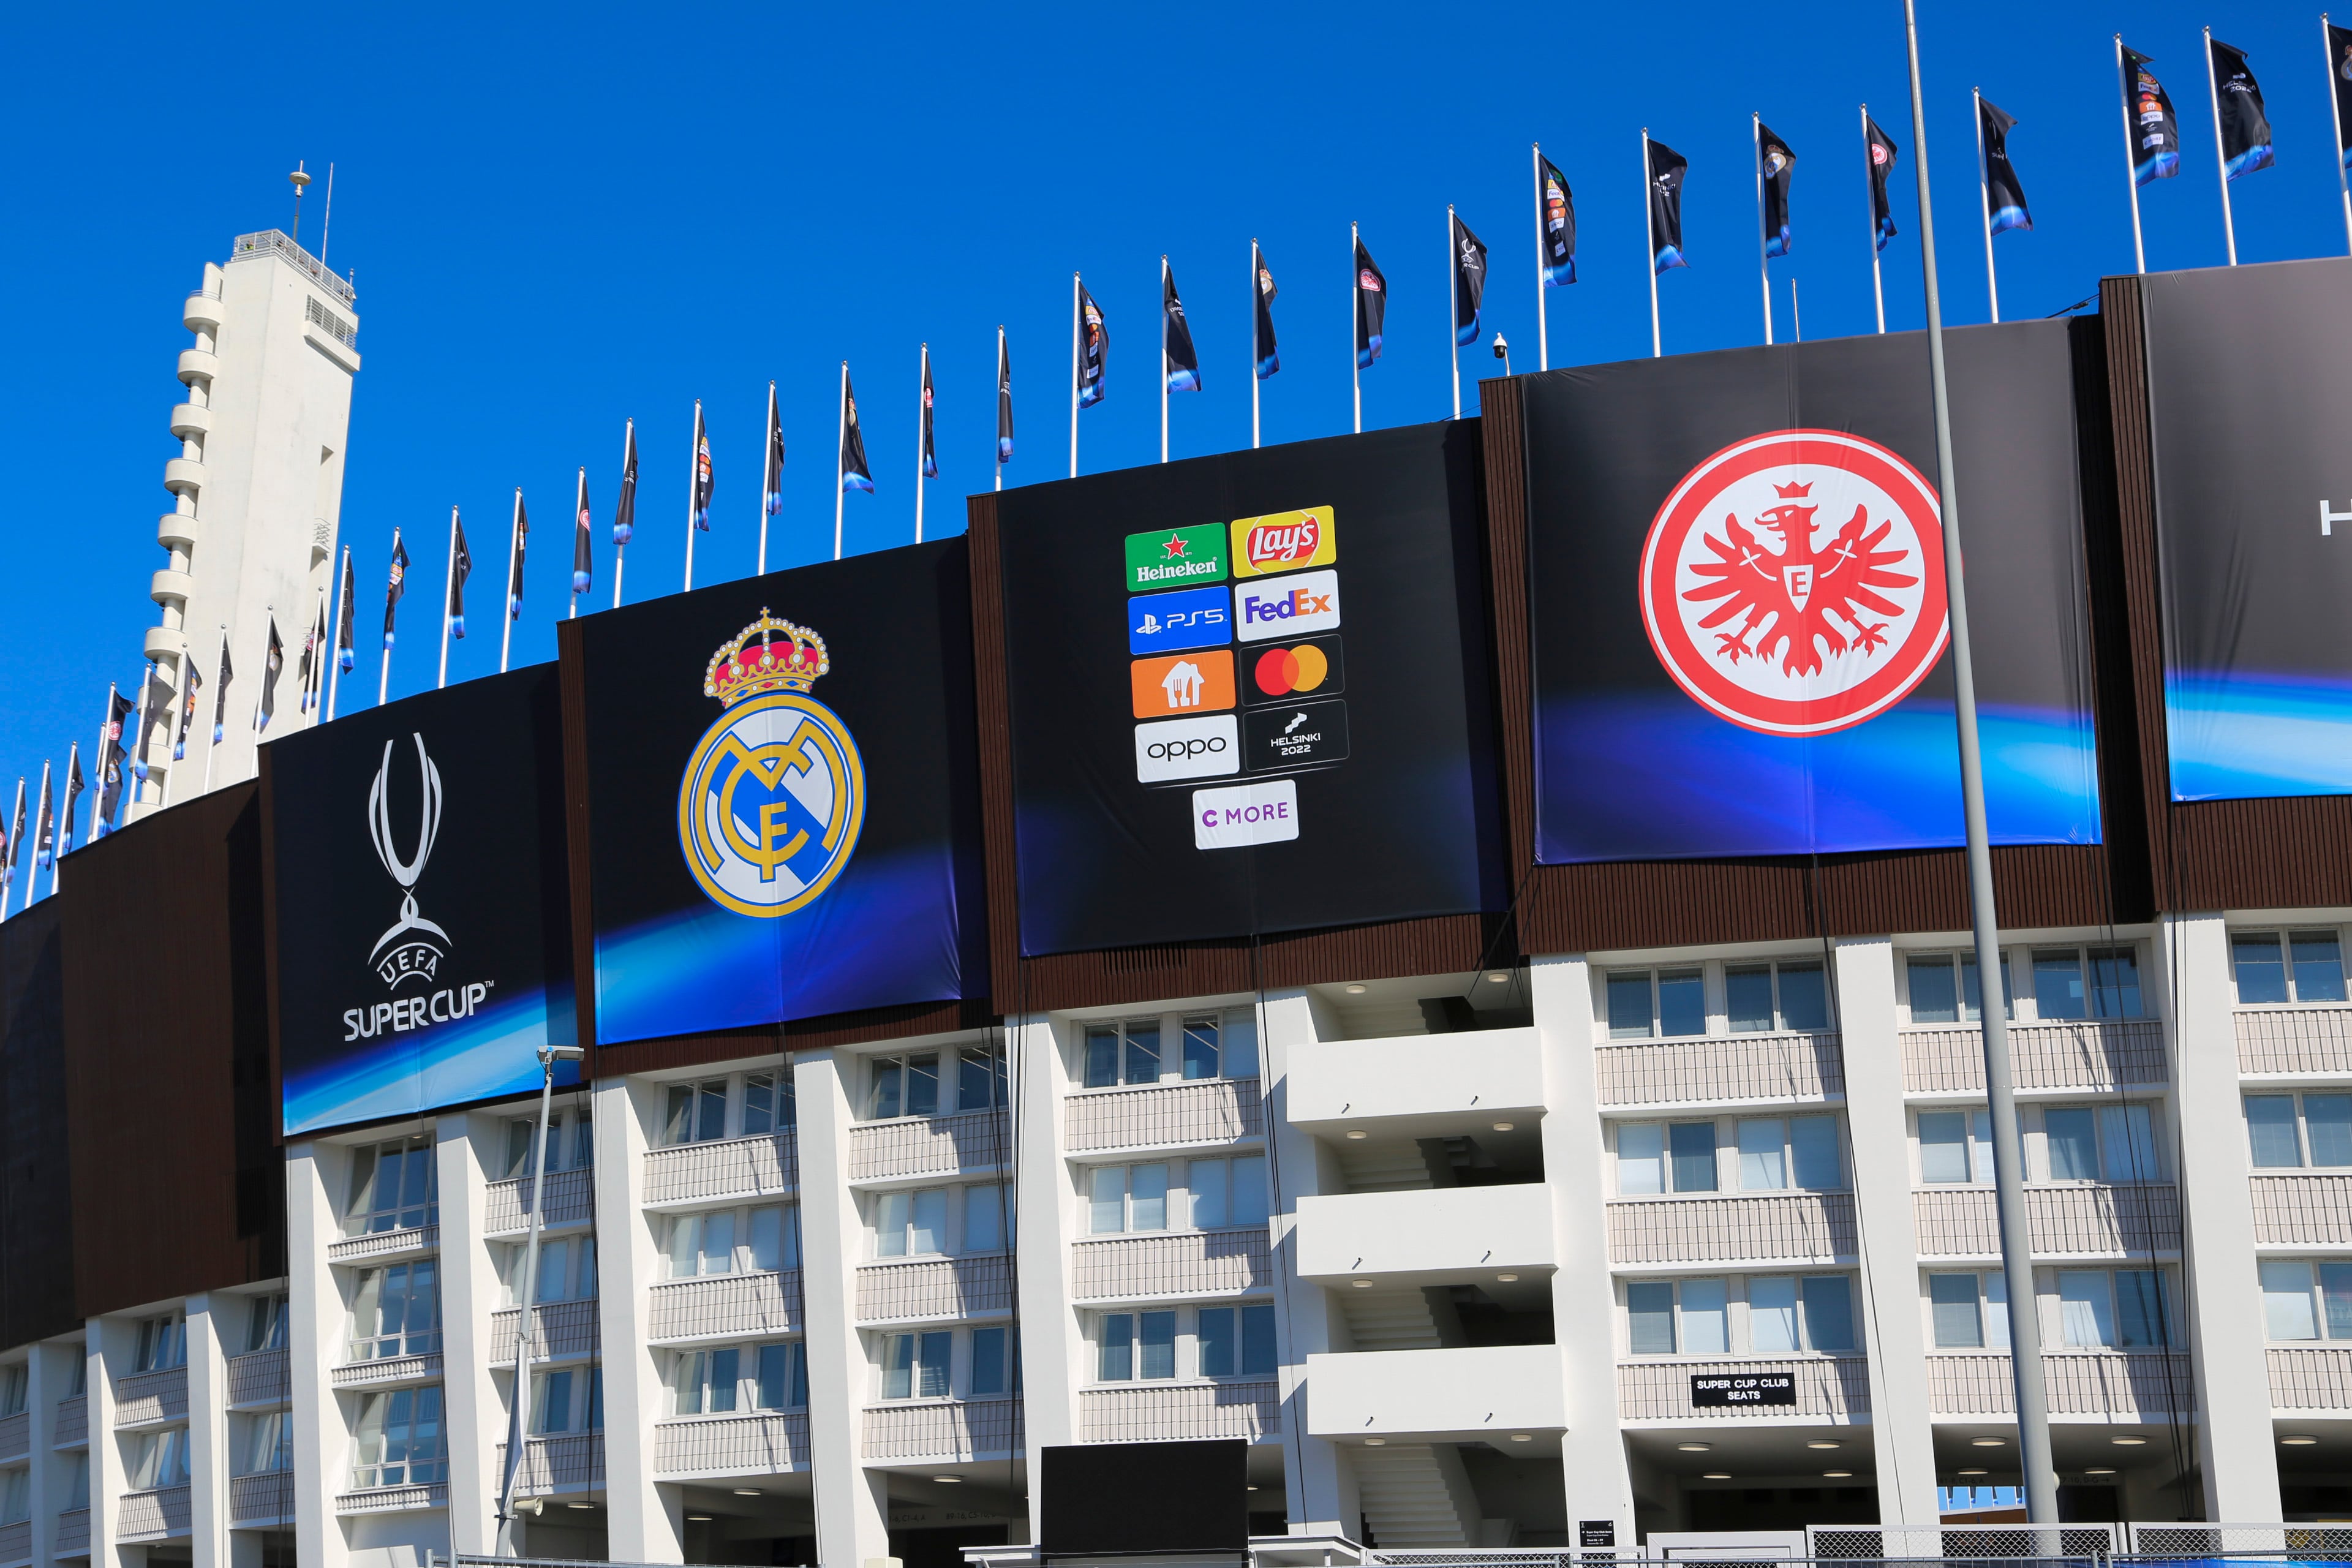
(1319, 1483)
(1053, 1349)
(1902, 1430)
(1599, 1483)
(475, 1417)
(315, 1319)
(2227, 1335)
(111, 1349)
(47, 1377)
(211, 1318)
(642, 1524)
(852, 1504)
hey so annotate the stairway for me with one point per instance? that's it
(1416, 1495)
(1393, 1166)
(1390, 1320)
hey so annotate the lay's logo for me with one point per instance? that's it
(1284, 542)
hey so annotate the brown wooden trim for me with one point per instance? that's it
(1503, 428)
(2121, 314)
(993, 698)
(572, 683)
(267, 780)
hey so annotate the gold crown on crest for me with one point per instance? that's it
(769, 655)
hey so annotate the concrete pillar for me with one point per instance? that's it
(47, 1377)
(212, 1320)
(315, 1326)
(1599, 1484)
(1320, 1484)
(474, 1416)
(2239, 1453)
(852, 1509)
(641, 1524)
(1902, 1429)
(111, 1349)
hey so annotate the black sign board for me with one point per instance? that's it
(1596, 1532)
(1714, 1390)
(1116, 1499)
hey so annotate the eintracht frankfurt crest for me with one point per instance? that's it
(770, 808)
(1793, 583)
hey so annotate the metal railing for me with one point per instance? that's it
(16, 1542)
(940, 1288)
(160, 1513)
(505, 1205)
(943, 1429)
(710, 1444)
(2296, 1039)
(73, 1421)
(1721, 1067)
(393, 1369)
(2092, 1219)
(2311, 1377)
(929, 1145)
(1181, 1263)
(559, 1328)
(2301, 1211)
(278, 241)
(2090, 1054)
(2077, 1383)
(1167, 1412)
(260, 1378)
(266, 1495)
(757, 1166)
(383, 1242)
(15, 1436)
(568, 1463)
(1660, 1390)
(1211, 1110)
(1809, 1227)
(146, 1396)
(2290, 1542)
(763, 1303)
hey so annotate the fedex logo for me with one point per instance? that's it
(1284, 542)
(1287, 606)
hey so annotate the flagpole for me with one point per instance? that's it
(1453, 309)
(2220, 163)
(693, 480)
(97, 796)
(220, 699)
(1650, 228)
(15, 854)
(1355, 315)
(1984, 201)
(919, 443)
(840, 444)
(998, 463)
(777, 480)
(514, 588)
(1796, 317)
(2131, 162)
(1253, 370)
(1543, 326)
(2024, 1325)
(318, 675)
(384, 670)
(582, 493)
(1163, 358)
(269, 624)
(620, 548)
(2336, 107)
(1763, 258)
(334, 639)
(1077, 330)
(49, 809)
(448, 586)
(1869, 168)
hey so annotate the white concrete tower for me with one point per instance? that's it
(257, 489)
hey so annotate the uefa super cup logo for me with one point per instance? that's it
(414, 947)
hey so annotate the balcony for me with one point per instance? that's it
(191, 421)
(261, 1500)
(1417, 1085)
(1172, 1116)
(388, 1370)
(16, 1437)
(2091, 1054)
(150, 1397)
(1181, 1263)
(560, 1330)
(2296, 1039)
(2310, 1378)
(184, 476)
(384, 1245)
(16, 1542)
(1829, 1388)
(1443, 1395)
(943, 1430)
(730, 1444)
(201, 312)
(196, 364)
(73, 1422)
(2122, 1385)
(726, 1304)
(571, 1200)
(152, 1516)
(1167, 1411)
(1448, 1235)
(1792, 1227)
(2092, 1220)
(260, 1378)
(73, 1532)
(929, 1146)
(553, 1465)
(755, 1167)
(177, 530)
(169, 587)
(2302, 1211)
(164, 643)
(393, 1499)
(1721, 1069)
(274, 241)
(940, 1289)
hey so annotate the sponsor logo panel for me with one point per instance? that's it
(1291, 670)
(1284, 542)
(1178, 683)
(1187, 749)
(1165, 623)
(1287, 607)
(1235, 818)
(1295, 735)
(1175, 557)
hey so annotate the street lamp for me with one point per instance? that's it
(510, 1544)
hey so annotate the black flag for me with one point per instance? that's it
(1268, 356)
(187, 711)
(2004, 197)
(699, 505)
(522, 543)
(930, 456)
(584, 557)
(1777, 166)
(220, 691)
(771, 477)
(154, 707)
(343, 654)
(2246, 128)
(1554, 223)
(16, 841)
(2339, 55)
(74, 788)
(1667, 168)
(109, 766)
(396, 584)
(1177, 359)
(1372, 306)
(309, 668)
(1469, 279)
(461, 567)
(44, 831)
(1003, 399)
(272, 662)
(1880, 148)
(2147, 111)
(1094, 350)
(854, 474)
(625, 510)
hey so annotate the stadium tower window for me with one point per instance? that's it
(1657, 1003)
(1943, 987)
(1790, 996)
(393, 1187)
(2275, 967)
(571, 1144)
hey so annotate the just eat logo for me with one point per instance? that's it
(1287, 606)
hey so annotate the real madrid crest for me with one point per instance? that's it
(770, 808)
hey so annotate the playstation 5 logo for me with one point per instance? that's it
(410, 949)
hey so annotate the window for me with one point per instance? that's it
(1778, 1152)
(708, 1383)
(2087, 982)
(707, 1242)
(396, 1312)
(910, 1224)
(1237, 1342)
(701, 1244)
(2287, 966)
(163, 1341)
(77, 1480)
(2114, 1309)
(980, 1078)
(568, 1400)
(265, 1323)
(1666, 1157)
(1969, 1311)
(995, 1363)
(393, 1187)
(1131, 1345)
(1943, 988)
(986, 1218)
(1123, 1053)
(768, 1103)
(15, 1381)
(1189, 1046)
(1813, 1312)
(2320, 1135)
(1761, 997)
(774, 1233)
(1227, 1192)
(572, 1145)
(1127, 1197)
(2307, 1301)
(917, 1366)
(78, 1380)
(1657, 1003)
(567, 1270)
(1703, 1317)
(159, 1460)
(2100, 1143)
(697, 1113)
(903, 1085)
(400, 1440)
(265, 1443)
(16, 1495)
(1955, 1146)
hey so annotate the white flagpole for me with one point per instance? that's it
(770, 481)
(919, 413)
(220, 699)
(506, 606)
(384, 668)
(2221, 163)
(1163, 358)
(94, 794)
(1452, 348)
(1650, 228)
(998, 458)
(1543, 325)
(620, 552)
(16, 855)
(449, 585)
(693, 478)
(1763, 260)
(2336, 117)
(1796, 317)
(1355, 315)
(334, 638)
(1984, 205)
(318, 677)
(840, 457)
(56, 817)
(1252, 369)
(2131, 159)
(1869, 168)
(1077, 332)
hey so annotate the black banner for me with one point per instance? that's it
(1712, 1391)
(782, 787)
(1249, 692)
(423, 922)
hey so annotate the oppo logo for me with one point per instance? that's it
(1177, 750)
(1173, 748)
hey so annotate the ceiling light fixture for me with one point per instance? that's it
(2129, 1442)
(1717, 1476)
(1837, 1475)
(1823, 1443)
(2299, 1440)
(1695, 1447)
(1361, 1284)
(1376, 1442)
(2100, 1470)
(748, 1491)
(587, 1505)
(1507, 1278)
(948, 1480)
(1976, 1472)
(1523, 1436)
(1504, 1126)
(1355, 991)
(1358, 1132)
(698, 1519)
(1987, 1442)
(1498, 976)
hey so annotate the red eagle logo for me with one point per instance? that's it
(1784, 602)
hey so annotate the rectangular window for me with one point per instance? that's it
(1761, 997)
(1799, 1151)
(2260, 967)
(702, 1243)
(1147, 1197)
(393, 1187)
(2318, 960)
(2328, 1128)
(905, 1086)
(2142, 1319)
(1943, 987)
(13, 1381)
(1107, 1200)
(767, 1102)
(1691, 1149)
(1207, 1180)
(1115, 1348)
(1772, 1314)
(396, 1312)
(775, 1236)
(2085, 1308)
(1650, 1318)
(1640, 1157)
(980, 1078)
(722, 1375)
(1156, 1344)
(1629, 1006)
(2271, 1132)
(159, 1460)
(77, 1480)
(1829, 1312)
(2336, 1299)
(1200, 1052)
(1663, 1005)
(2126, 1144)
(2070, 1134)
(164, 1342)
(264, 1326)
(1259, 1356)
(783, 1377)
(1139, 1063)
(1804, 997)
(400, 1440)
(2114, 982)
(2293, 966)
(1707, 1318)
(1748, 995)
(2058, 984)
(1952, 1306)
(1102, 1055)
(697, 1112)
(1814, 1152)
(15, 1495)
(2287, 1311)
(983, 1218)
(1763, 1154)
(991, 1368)
(550, 1403)
(1240, 1044)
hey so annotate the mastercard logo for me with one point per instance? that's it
(1279, 671)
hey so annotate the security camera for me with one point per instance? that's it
(1502, 349)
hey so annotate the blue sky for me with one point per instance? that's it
(561, 217)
